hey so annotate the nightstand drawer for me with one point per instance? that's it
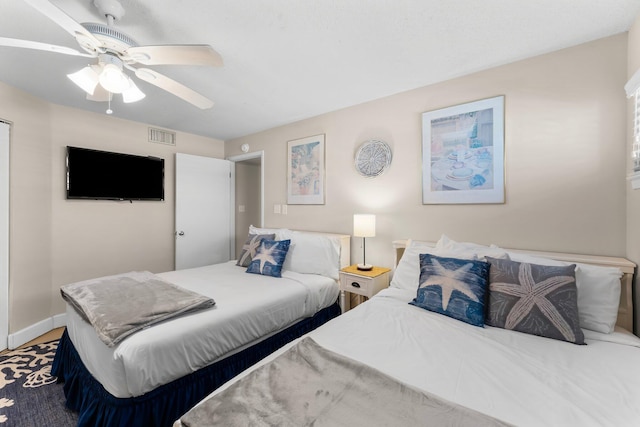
(357, 285)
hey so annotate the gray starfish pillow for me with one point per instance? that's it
(250, 247)
(535, 299)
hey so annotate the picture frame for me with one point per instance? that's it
(306, 170)
(463, 153)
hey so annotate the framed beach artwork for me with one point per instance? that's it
(463, 153)
(305, 171)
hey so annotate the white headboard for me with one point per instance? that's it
(625, 311)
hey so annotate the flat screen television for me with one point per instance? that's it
(104, 175)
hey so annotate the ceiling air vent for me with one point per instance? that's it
(160, 136)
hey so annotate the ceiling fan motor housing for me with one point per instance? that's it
(111, 38)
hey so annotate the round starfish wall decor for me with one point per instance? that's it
(373, 158)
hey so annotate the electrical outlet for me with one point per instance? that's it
(284, 209)
(241, 208)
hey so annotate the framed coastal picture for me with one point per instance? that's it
(463, 153)
(305, 171)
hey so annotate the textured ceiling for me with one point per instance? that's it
(287, 60)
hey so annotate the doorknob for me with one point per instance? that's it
(181, 233)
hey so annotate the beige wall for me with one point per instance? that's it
(56, 241)
(633, 196)
(566, 159)
(29, 207)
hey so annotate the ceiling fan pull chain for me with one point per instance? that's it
(109, 110)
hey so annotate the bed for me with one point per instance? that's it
(480, 375)
(152, 376)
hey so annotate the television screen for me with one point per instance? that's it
(94, 174)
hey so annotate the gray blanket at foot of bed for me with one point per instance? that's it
(117, 306)
(309, 385)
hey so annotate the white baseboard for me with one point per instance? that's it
(29, 333)
(59, 320)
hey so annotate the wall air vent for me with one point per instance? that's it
(160, 136)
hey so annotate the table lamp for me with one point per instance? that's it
(364, 225)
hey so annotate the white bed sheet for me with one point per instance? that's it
(248, 308)
(518, 378)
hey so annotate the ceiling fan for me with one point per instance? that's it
(116, 51)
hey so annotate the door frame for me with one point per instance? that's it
(240, 158)
(4, 232)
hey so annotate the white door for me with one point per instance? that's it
(203, 211)
(4, 234)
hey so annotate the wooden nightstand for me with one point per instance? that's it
(364, 283)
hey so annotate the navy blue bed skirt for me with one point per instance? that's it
(162, 406)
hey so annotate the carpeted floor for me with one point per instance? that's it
(29, 395)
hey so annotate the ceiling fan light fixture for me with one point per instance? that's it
(132, 94)
(113, 79)
(87, 79)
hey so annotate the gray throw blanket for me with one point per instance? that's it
(117, 306)
(309, 385)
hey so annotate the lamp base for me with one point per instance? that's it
(365, 267)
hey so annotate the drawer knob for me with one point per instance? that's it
(355, 284)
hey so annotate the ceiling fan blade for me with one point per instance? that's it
(193, 54)
(42, 46)
(173, 87)
(66, 22)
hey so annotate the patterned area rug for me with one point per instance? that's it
(29, 395)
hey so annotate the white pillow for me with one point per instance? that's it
(598, 292)
(281, 233)
(468, 250)
(407, 273)
(313, 254)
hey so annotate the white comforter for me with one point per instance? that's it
(515, 377)
(248, 308)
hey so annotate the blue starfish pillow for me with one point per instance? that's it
(269, 258)
(453, 287)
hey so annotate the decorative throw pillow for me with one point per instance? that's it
(251, 246)
(534, 299)
(407, 273)
(269, 258)
(598, 292)
(453, 287)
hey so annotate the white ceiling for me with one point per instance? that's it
(287, 60)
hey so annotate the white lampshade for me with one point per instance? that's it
(113, 79)
(364, 225)
(87, 79)
(132, 94)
